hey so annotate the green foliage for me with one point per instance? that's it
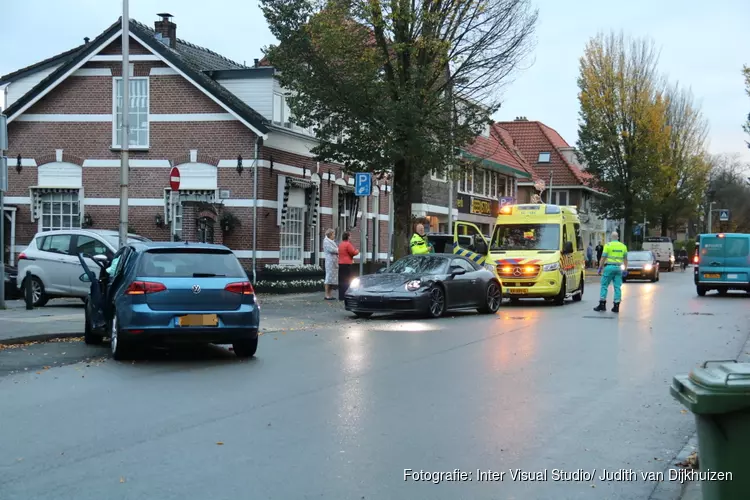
(622, 131)
(730, 189)
(395, 87)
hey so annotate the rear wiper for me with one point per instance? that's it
(208, 275)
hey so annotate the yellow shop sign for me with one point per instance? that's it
(481, 207)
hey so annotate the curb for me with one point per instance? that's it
(42, 337)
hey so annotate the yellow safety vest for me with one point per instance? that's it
(419, 245)
(615, 252)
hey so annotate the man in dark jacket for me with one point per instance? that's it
(599, 250)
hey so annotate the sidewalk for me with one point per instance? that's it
(62, 318)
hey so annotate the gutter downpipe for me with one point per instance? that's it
(255, 208)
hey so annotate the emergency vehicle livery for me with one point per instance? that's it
(536, 251)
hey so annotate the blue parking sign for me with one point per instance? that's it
(506, 200)
(363, 184)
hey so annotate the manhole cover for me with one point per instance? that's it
(600, 317)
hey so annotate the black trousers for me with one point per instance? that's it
(345, 277)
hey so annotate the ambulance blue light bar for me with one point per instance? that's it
(551, 209)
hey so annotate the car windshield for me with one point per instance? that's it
(190, 263)
(639, 256)
(419, 265)
(526, 237)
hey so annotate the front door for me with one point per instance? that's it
(460, 286)
(477, 248)
(205, 230)
(88, 246)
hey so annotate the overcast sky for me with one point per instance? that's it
(703, 46)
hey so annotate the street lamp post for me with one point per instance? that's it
(125, 135)
(710, 217)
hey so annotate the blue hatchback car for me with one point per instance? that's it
(163, 293)
(723, 263)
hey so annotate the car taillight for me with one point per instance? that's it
(22, 256)
(695, 259)
(144, 287)
(240, 287)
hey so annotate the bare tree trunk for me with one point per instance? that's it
(665, 225)
(627, 225)
(401, 209)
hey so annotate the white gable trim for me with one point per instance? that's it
(72, 70)
(132, 57)
(208, 94)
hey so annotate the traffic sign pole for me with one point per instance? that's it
(363, 188)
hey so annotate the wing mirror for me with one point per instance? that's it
(381, 270)
(85, 278)
(100, 259)
(568, 248)
(457, 271)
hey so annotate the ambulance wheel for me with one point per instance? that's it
(579, 295)
(560, 297)
(701, 291)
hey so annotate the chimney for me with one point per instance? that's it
(166, 30)
(256, 62)
(86, 40)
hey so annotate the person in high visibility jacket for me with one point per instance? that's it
(419, 244)
(614, 256)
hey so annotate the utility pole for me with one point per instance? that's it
(125, 136)
(363, 234)
(710, 217)
(549, 189)
(3, 182)
(390, 224)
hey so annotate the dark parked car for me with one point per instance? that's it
(428, 284)
(642, 265)
(171, 292)
(10, 279)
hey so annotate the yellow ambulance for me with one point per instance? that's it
(536, 251)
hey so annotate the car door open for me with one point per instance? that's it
(478, 249)
(96, 299)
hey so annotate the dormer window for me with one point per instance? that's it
(544, 157)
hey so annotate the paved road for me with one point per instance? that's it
(340, 412)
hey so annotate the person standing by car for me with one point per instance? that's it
(418, 243)
(347, 252)
(599, 249)
(331, 251)
(590, 256)
(614, 255)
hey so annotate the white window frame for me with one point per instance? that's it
(291, 238)
(556, 196)
(474, 190)
(548, 157)
(285, 116)
(116, 135)
(439, 176)
(49, 205)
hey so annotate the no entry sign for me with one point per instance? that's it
(174, 178)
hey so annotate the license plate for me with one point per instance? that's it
(732, 276)
(714, 276)
(518, 291)
(634, 273)
(198, 320)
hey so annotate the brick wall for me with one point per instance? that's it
(168, 141)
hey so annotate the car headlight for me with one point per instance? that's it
(413, 286)
(648, 267)
(622, 267)
(354, 283)
(551, 267)
(671, 258)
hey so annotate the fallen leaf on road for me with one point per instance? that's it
(220, 443)
(38, 373)
(122, 479)
(683, 411)
(691, 462)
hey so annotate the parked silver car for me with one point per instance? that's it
(52, 258)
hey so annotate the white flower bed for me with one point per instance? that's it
(307, 268)
(289, 284)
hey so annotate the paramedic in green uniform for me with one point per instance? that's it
(419, 244)
(615, 254)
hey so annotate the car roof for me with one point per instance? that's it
(99, 232)
(166, 245)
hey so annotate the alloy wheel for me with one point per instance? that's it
(113, 336)
(36, 291)
(494, 297)
(437, 302)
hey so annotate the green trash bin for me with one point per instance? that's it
(718, 394)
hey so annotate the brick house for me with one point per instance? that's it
(492, 169)
(191, 108)
(562, 179)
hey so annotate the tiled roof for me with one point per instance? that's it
(46, 63)
(192, 60)
(532, 138)
(495, 151)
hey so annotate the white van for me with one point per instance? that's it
(663, 248)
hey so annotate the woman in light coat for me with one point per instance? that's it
(331, 251)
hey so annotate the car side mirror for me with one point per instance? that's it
(480, 247)
(457, 271)
(568, 247)
(100, 259)
(85, 278)
(381, 270)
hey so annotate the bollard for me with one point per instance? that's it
(28, 293)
